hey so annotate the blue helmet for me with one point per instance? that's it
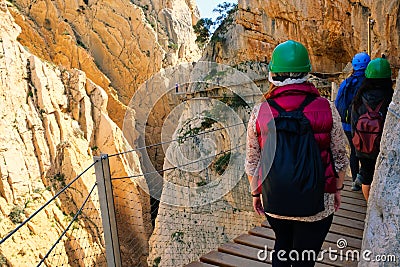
(360, 61)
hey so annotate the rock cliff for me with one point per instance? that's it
(205, 200)
(118, 44)
(53, 121)
(333, 31)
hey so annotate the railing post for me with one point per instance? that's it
(334, 91)
(103, 178)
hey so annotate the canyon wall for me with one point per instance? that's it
(205, 200)
(333, 31)
(53, 121)
(118, 44)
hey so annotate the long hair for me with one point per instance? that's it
(272, 88)
(383, 84)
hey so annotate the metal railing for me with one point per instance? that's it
(74, 211)
(110, 223)
(139, 244)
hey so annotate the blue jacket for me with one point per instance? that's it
(357, 73)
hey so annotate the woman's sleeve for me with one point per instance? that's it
(253, 151)
(338, 142)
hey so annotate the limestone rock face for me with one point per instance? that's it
(53, 121)
(118, 44)
(381, 233)
(205, 200)
(333, 31)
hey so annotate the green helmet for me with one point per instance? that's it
(290, 56)
(378, 68)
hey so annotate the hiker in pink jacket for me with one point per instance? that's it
(298, 187)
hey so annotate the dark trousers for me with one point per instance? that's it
(367, 170)
(354, 161)
(294, 237)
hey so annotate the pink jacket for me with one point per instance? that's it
(318, 112)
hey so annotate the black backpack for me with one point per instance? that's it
(343, 101)
(294, 185)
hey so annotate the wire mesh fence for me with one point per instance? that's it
(144, 223)
(82, 240)
(66, 230)
(201, 198)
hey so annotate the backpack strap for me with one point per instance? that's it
(275, 105)
(308, 99)
(377, 108)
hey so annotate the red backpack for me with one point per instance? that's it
(368, 130)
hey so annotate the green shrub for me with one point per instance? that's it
(202, 31)
(157, 262)
(177, 236)
(16, 214)
(201, 183)
(3, 260)
(173, 46)
(222, 162)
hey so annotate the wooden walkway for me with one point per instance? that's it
(348, 224)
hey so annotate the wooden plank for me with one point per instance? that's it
(242, 251)
(265, 223)
(348, 222)
(227, 260)
(347, 182)
(252, 253)
(351, 215)
(199, 264)
(353, 194)
(263, 232)
(346, 231)
(330, 237)
(351, 241)
(254, 241)
(322, 264)
(354, 208)
(354, 201)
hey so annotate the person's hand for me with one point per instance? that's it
(338, 200)
(257, 205)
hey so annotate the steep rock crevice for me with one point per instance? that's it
(55, 121)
